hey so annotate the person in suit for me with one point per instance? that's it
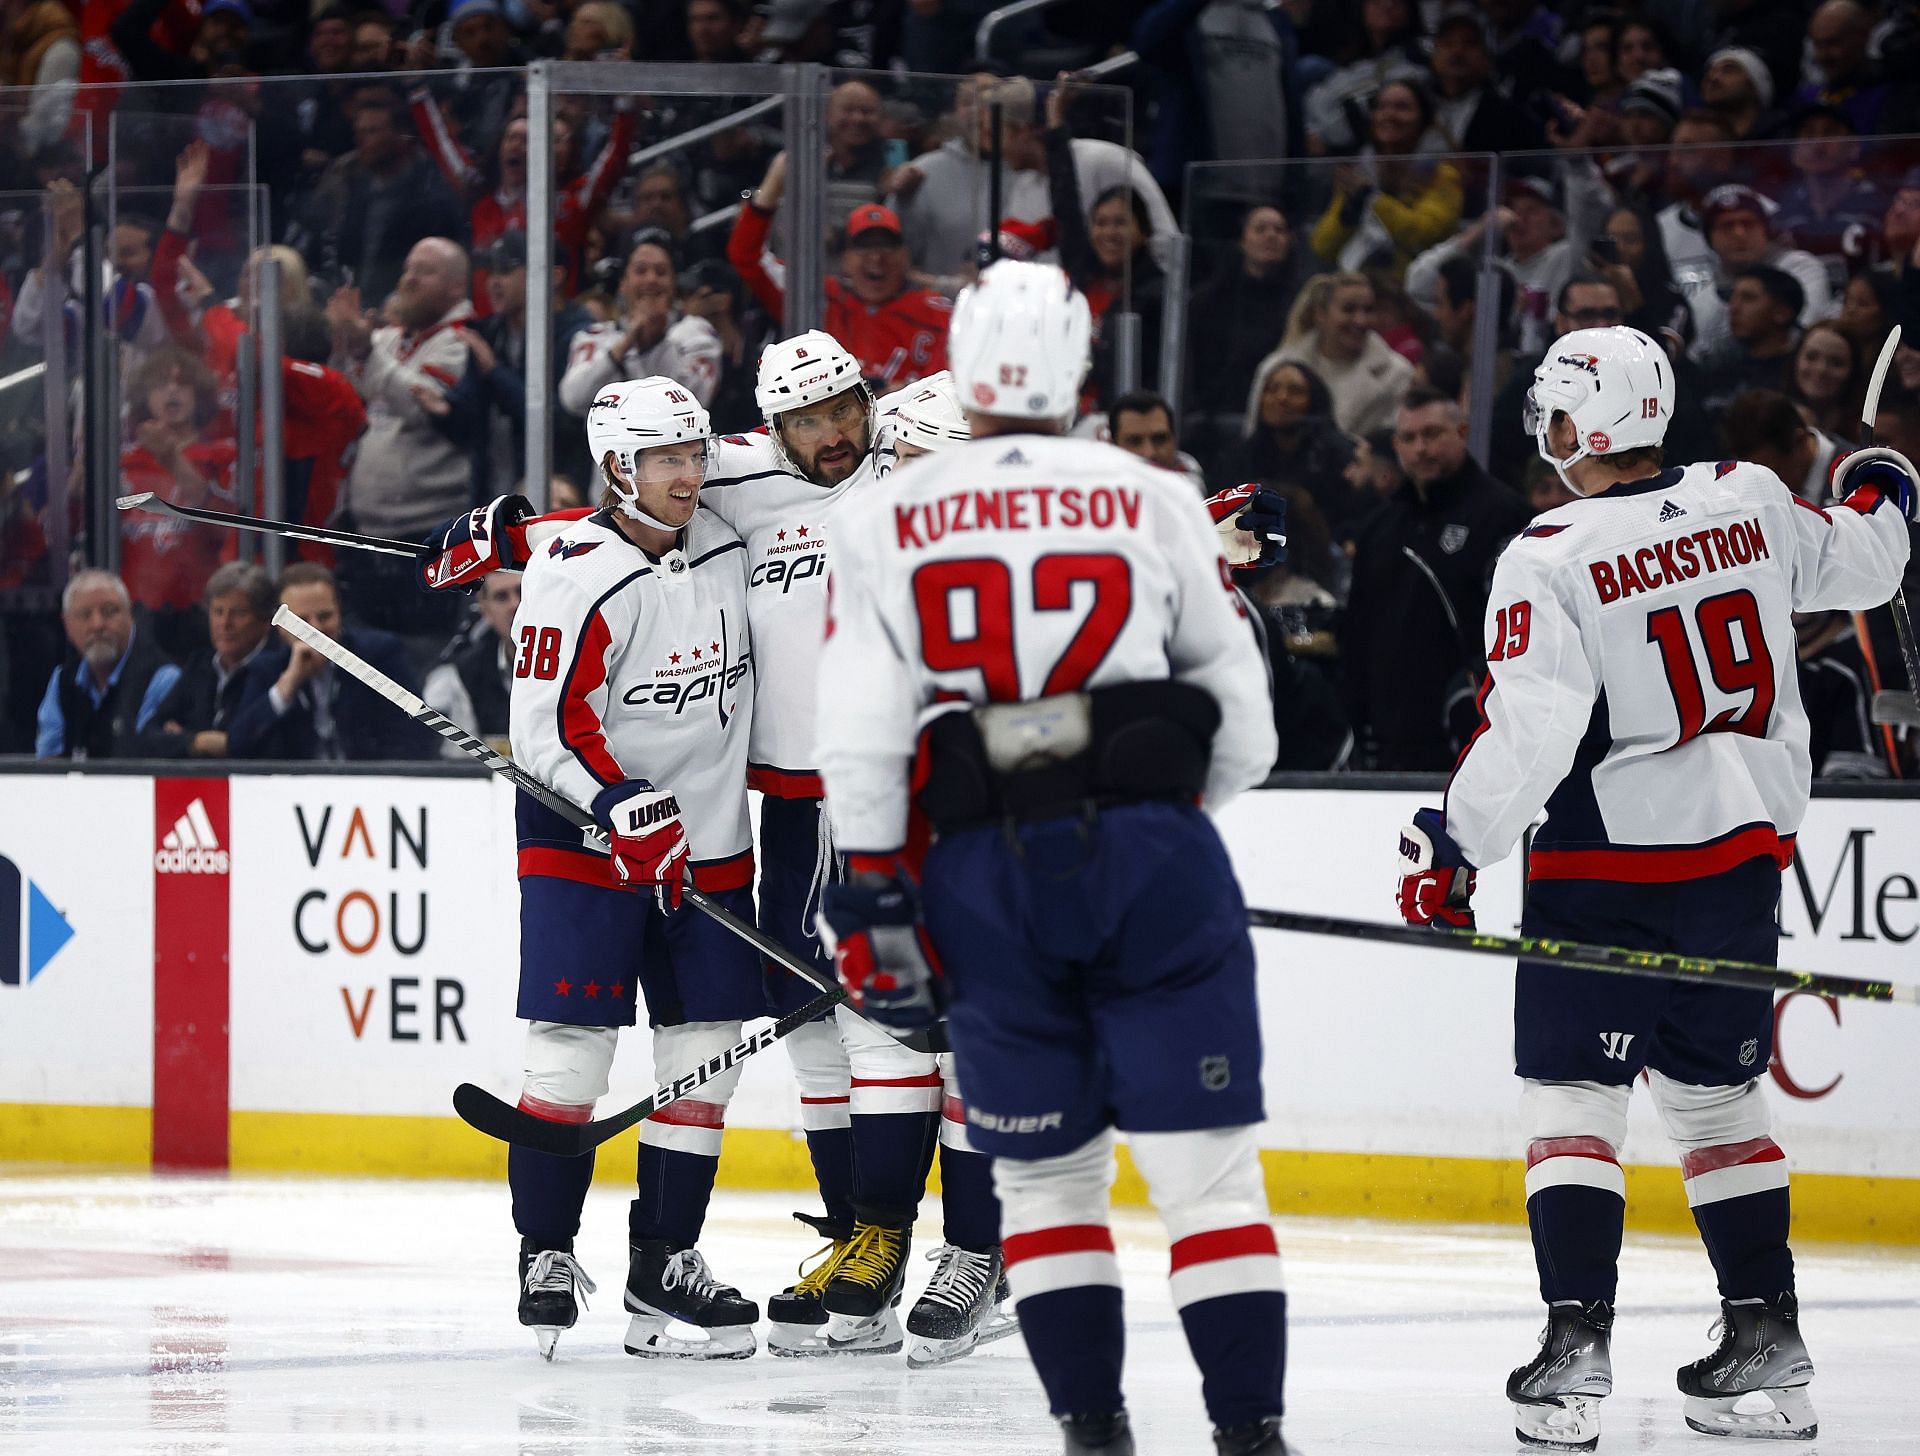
(297, 705)
(191, 721)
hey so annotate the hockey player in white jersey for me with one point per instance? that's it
(1642, 689)
(920, 419)
(633, 693)
(1045, 626)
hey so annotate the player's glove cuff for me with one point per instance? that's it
(1878, 468)
(1436, 882)
(468, 547)
(881, 951)
(1252, 521)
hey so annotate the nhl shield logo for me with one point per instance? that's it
(1214, 1074)
(1749, 1051)
(1452, 538)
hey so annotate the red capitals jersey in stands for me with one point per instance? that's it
(324, 417)
(166, 560)
(896, 342)
(1642, 682)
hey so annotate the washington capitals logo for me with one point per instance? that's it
(566, 550)
(1588, 362)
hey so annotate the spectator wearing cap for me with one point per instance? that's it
(1774, 31)
(1650, 108)
(487, 409)
(1238, 318)
(1469, 110)
(1849, 78)
(1390, 200)
(1391, 49)
(1757, 351)
(1741, 231)
(481, 104)
(1534, 244)
(652, 335)
(1738, 86)
(112, 680)
(1832, 208)
(898, 333)
(191, 720)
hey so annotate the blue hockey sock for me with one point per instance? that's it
(1740, 1203)
(679, 1154)
(1239, 1341)
(970, 1211)
(1078, 1340)
(548, 1194)
(1576, 1242)
(831, 1149)
(891, 1155)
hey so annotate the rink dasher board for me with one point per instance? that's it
(371, 940)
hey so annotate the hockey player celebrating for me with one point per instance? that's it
(920, 419)
(1642, 689)
(1069, 606)
(633, 692)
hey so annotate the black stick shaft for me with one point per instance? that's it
(1612, 959)
(996, 133)
(386, 545)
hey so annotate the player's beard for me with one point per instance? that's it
(831, 466)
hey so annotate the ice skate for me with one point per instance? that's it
(680, 1311)
(551, 1281)
(1255, 1438)
(863, 1290)
(1755, 1384)
(1556, 1398)
(796, 1317)
(962, 1307)
(1097, 1435)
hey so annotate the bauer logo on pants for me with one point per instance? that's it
(191, 847)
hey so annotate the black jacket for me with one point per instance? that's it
(198, 702)
(107, 730)
(368, 727)
(1412, 637)
(1235, 322)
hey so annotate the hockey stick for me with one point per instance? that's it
(1908, 713)
(480, 1108)
(1582, 957)
(148, 501)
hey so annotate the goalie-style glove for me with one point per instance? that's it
(486, 539)
(872, 927)
(648, 844)
(1878, 468)
(1252, 521)
(1436, 882)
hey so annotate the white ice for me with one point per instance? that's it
(191, 1316)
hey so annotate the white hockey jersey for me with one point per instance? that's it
(1643, 686)
(1014, 568)
(783, 519)
(689, 355)
(628, 666)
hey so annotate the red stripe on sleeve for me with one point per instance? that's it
(1231, 1243)
(580, 726)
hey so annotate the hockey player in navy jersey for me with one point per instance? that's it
(633, 682)
(1642, 689)
(1057, 617)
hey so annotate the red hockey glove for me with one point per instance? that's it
(486, 539)
(872, 928)
(648, 844)
(1253, 525)
(1436, 882)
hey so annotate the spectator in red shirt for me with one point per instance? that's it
(172, 400)
(899, 334)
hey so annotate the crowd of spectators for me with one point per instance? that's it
(1412, 199)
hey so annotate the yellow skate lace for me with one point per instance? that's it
(872, 1255)
(826, 1262)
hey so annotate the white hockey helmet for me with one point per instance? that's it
(1615, 384)
(633, 415)
(929, 416)
(808, 369)
(1019, 342)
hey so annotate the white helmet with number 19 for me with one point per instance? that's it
(1019, 342)
(634, 415)
(1615, 384)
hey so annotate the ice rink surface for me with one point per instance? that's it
(191, 1316)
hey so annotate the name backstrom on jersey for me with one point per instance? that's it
(1017, 508)
(1681, 558)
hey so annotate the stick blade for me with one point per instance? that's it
(1896, 709)
(134, 502)
(484, 1112)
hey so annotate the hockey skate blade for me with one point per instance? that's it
(547, 1336)
(1565, 1423)
(1896, 709)
(656, 1337)
(923, 1353)
(878, 1334)
(796, 1341)
(1784, 1413)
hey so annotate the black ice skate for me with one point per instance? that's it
(1755, 1383)
(551, 1281)
(1556, 1398)
(1097, 1435)
(797, 1316)
(865, 1287)
(1255, 1438)
(963, 1306)
(668, 1287)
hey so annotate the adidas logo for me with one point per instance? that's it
(191, 847)
(1670, 512)
(1012, 457)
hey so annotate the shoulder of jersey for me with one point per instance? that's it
(739, 458)
(590, 555)
(690, 329)
(707, 533)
